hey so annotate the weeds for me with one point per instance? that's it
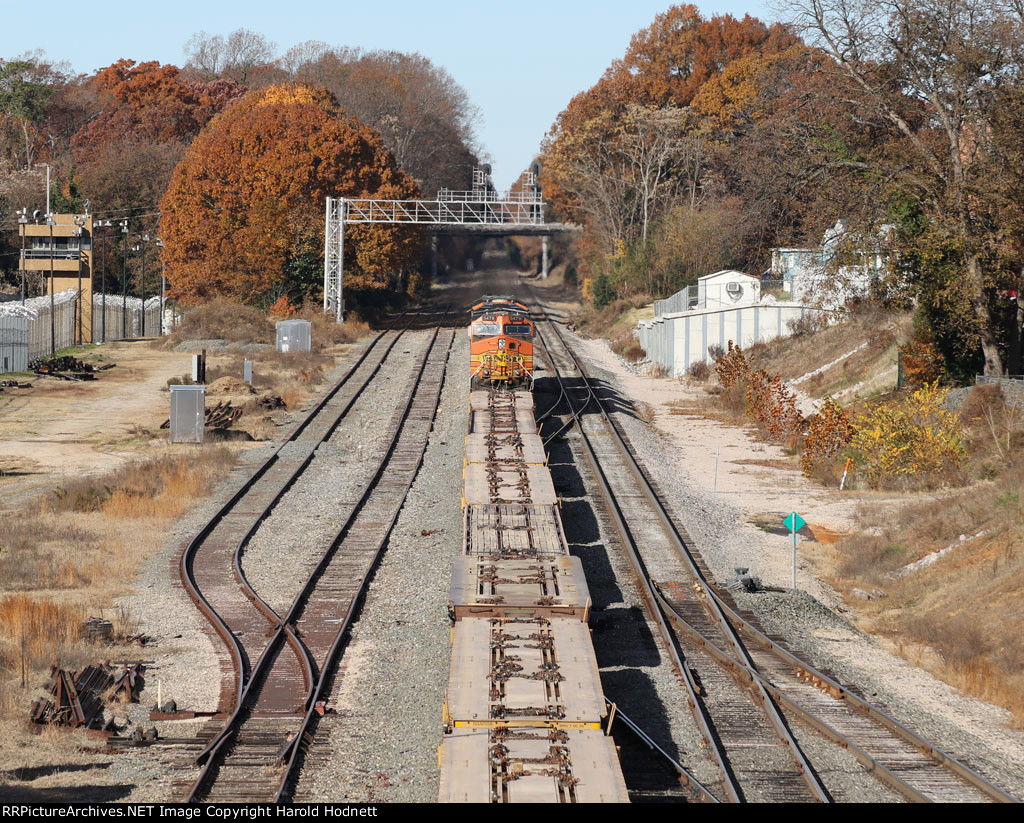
(828, 434)
(764, 398)
(223, 319)
(71, 554)
(962, 606)
(699, 371)
(912, 440)
(628, 348)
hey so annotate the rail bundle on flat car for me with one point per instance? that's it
(524, 714)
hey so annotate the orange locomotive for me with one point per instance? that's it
(500, 342)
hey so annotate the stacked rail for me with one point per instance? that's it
(524, 713)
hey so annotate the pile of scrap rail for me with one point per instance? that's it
(220, 416)
(77, 700)
(66, 368)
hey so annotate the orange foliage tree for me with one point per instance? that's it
(665, 66)
(149, 101)
(243, 214)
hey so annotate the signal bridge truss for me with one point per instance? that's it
(479, 211)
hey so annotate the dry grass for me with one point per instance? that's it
(70, 555)
(968, 607)
(628, 348)
(699, 371)
(327, 331)
(616, 319)
(793, 357)
(223, 319)
(644, 411)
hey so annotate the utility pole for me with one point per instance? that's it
(103, 277)
(23, 225)
(53, 308)
(80, 231)
(145, 239)
(124, 281)
(163, 283)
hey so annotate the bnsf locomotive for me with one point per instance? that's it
(501, 342)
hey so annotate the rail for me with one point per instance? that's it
(314, 672)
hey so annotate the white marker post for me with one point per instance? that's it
(794, 523)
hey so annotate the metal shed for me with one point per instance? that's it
(293, 335)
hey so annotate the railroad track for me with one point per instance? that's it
(749, 693)
(275, 701)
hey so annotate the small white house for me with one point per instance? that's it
(727, 289)
(812, 275)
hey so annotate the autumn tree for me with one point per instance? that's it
(792, 163)
(26, 86)
(243, 215)
(929, 72)
(670, 60)
(623, 171)
(423, 116)
(153, 103)
(148, 114)
(237, 57)
(597, 138)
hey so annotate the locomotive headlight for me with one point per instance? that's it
(501, 342)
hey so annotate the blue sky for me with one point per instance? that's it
(520, 62)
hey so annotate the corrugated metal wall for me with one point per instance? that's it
(13, 344)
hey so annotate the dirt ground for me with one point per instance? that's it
(63, 428)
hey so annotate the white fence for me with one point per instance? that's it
(28, 328)
(678, 340)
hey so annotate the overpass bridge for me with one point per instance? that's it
(481, 211)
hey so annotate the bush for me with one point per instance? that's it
(764, 398)
(699, 371)
(773, 406)
(921, 363)
(828, 434)
(223, 319)
(731, 366)
(628, 348)
(604, 291)
(913, 439)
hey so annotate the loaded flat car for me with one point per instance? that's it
(524, 719)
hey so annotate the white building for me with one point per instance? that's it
(722, 307)
(819, 276)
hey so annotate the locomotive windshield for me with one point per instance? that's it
(486, 329)
(517, 329)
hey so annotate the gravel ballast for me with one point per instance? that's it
(381, 745)
(308, 516)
